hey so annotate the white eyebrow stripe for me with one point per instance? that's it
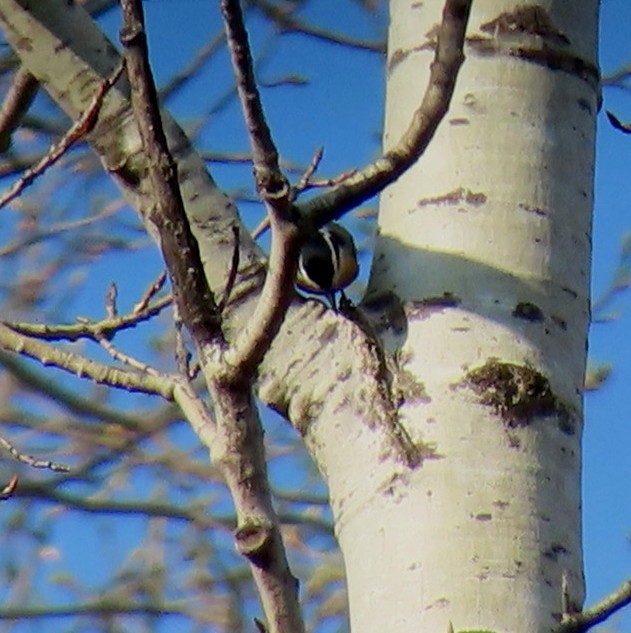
(302, 270)
(335, 256)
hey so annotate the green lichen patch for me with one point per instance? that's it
(518, 393)
(527, 20)
(406, 388)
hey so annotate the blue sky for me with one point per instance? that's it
(607, 463)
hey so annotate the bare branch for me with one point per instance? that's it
(40, 383)
(237, 445)
(155, 508)
(84, 367)
(239, 452)
(305, 179)
(331, 182)
(91, 330)
(248, 351)
(585, 620)
(617, 124)
(179, 248)
(261, 227)
(290, 24)
(195, 412)
(111, 309)
(193, 69)
(372, 179)
(150, 293)
(32, 461)
(102, 608)
(41, 234)
(126, 359)
(618, 78)
(83, 125)
(16, 103)
(8, 490)
(270, 182)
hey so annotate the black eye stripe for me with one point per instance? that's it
(316, 262)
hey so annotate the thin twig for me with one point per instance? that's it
(83, 125)
(150, 293)
(618, 78)
(270, 182)
(41, 234)
(88, 329)
(111, 310)
(306, 178)
(278, 290)
(192, 70)
(601, 611)
(9, 489)
(617, 123)
(331, 182)
(32, 461)
(291, 24)
(296, 190)
(126, 359)
(262, 226)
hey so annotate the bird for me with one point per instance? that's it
(327, 262)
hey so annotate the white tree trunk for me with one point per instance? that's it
(481, 282)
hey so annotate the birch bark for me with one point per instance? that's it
(480, 285)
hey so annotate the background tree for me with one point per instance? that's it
(144, 574)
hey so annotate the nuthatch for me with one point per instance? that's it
(328, 262)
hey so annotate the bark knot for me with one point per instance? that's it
(254, 541)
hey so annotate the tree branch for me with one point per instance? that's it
(41, 383)
(601, 611)
(16, 103)
(159, 509)
(237, 445)
(373, 178)
(287, 23)
(239, 452)
(83, 125)
(83, 367)
(106, 328)
(103, 608)
(179, 248)
(278, 291)
(32, 461)
(270, 182)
